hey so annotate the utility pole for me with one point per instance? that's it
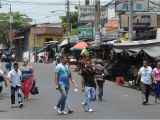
(10, 26)
(97, 20)
(68, 19)
(130, 4)
(34, 37)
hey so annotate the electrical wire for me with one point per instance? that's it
(36, 3)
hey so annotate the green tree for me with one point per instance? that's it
(73, 21)
(19, 21)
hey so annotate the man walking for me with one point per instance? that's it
(14, 77)
(146, 76)
(88, 84)
(100, 72)
(62, 77)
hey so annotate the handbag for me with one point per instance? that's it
(34, 89)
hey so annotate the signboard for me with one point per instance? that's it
(112, 34)
(86, 14)
(97, 37)
(138, 5)
(143, 20)
(85, 31)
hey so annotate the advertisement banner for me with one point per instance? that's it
(85, 31)
(143, 20)
(138, 5)
(86, 14)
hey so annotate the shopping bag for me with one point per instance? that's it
(34, 89)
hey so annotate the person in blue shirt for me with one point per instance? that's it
(62, 77)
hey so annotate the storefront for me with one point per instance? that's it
(144, 25)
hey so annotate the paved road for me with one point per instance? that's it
(119, 102)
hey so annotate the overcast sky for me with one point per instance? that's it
(42, 12)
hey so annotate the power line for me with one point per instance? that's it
(154, 3)
(36, 3)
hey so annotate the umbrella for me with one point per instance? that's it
(64, 42)
(79, 46)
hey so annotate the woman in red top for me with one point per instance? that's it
(27, 78)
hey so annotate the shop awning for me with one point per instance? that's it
(64, 42)
(79, 46)
(151, 49)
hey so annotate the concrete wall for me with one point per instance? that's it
(40, 39)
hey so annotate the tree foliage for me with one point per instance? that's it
(19, 21)
(73, 21)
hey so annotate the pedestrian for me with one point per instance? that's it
(14, 76)
(13, 56)
(2, 78)
(156, 74)
(88, 84)
(8, 62)
(58, 56)
(27, 78)
(146, 76)
(46, 56)
(62, 77)
(100, 72)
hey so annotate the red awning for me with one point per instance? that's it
(79, 46)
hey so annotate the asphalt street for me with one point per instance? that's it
(119, 102)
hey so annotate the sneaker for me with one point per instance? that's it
(56, 108)
(100, 99)
(84, 106)
(155, 100)
(82, 103)
(70, 111)
(90, 110)
(13, 105)
(62, 112)
(21, 105)
(143, 103)
(59, 112)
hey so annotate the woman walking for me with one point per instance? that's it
(27, 78)
(156, 74)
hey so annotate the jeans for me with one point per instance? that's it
(145, 89)
(89, 96)
(64, 91)
(18, 90)
(1, 88)
(100, 85)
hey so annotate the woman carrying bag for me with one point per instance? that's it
(28, 78)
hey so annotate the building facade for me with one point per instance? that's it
(41, 33)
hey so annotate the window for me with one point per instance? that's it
(48, 39)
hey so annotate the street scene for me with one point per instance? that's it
(118, 102)
(81, 59)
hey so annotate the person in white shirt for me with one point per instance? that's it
(14, 76)
(146, 76)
